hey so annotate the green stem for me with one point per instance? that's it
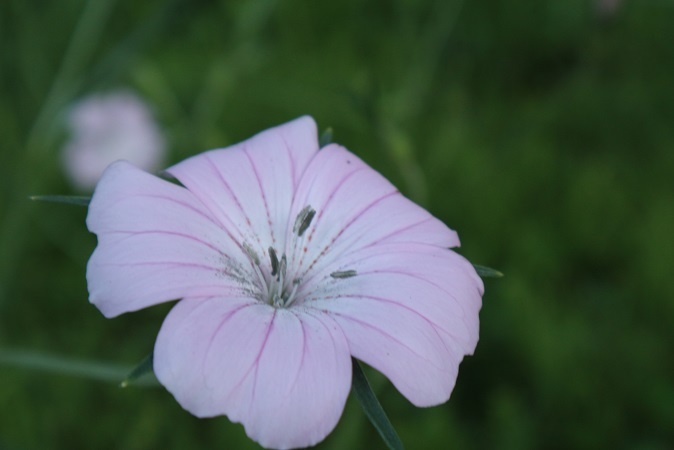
(373, 410)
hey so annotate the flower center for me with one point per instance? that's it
(276, 289)
(277, 293)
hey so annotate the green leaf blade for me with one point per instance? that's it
(487, 272)
(145, 367)
(78, 200)
(326, 138)
(373, 410)
(56, 364)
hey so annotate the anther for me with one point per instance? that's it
(344, 274)
(303, 220)
(274, 261)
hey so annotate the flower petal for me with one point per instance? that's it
(284, 374)
(249, 186)
(400, 344)
(355, 207)
(411, 311)
(156, 243)
(438, 283)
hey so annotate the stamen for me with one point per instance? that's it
(256, 267)
(344, 274)
(291, 297)
(251, 253)
(306, 222)
(263, 283)
(274, 261)
(282, 270)
(303, 220)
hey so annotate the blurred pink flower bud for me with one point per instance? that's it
(106, 128)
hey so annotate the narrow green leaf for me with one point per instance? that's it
(69, 199)
(93, 370)
(28, 359)
(487, 272)
(326, 138)
(373, 410)
(143, 368)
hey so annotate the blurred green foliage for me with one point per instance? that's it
(543, 131)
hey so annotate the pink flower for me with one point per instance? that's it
(288, 261)
(106, 128)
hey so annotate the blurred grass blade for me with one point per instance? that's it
(69, 199)
(27, 359)
(372, 407)
(111, 67)
(81, 47)
(93, 370)
(326, 137)
(143, 368)
(487, 272)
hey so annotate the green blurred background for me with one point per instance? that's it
(541, 130)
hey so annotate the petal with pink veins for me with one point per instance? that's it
(355, 207)
(284, 374)
(156, 243)
(438, 283)
(410, 311)
(400, 343)
(249, 186)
